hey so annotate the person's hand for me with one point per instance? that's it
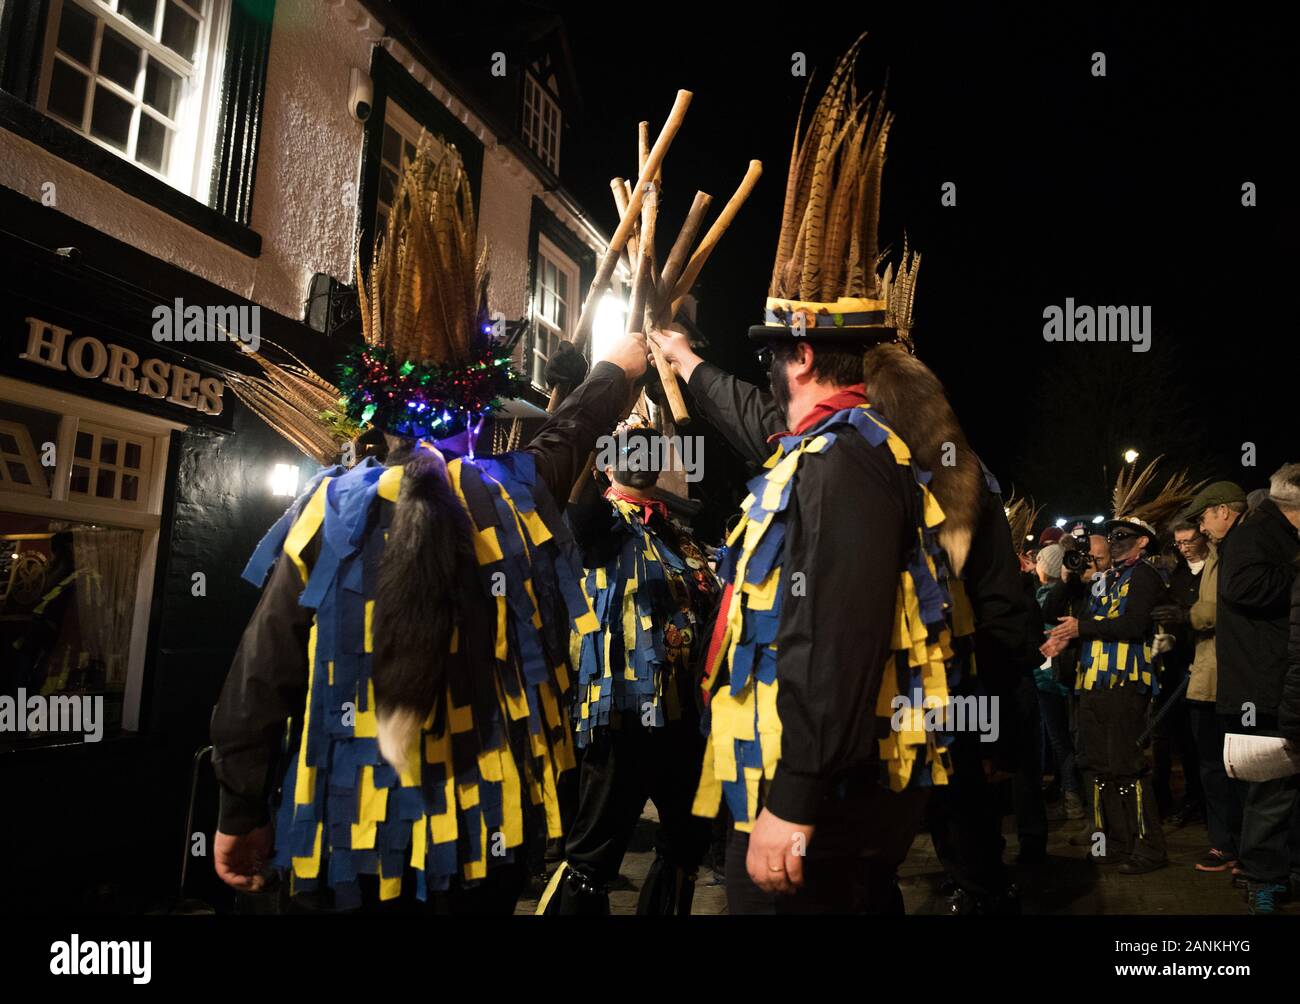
(1067, 629)
(1162, 642)
(675, 347)
(776, 853)
(241, 860)
(1053, 647)
(629, 354)
(1168, 613)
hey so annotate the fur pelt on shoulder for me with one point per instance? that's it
(417, 598)
(912, 400)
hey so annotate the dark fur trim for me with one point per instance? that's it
(418, 592)
(911, 398)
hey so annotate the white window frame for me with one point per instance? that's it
(72, 411)
(547, 334)
(193, 143)
(409, 129)
(539, 105)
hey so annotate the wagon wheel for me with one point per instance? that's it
(27, 579)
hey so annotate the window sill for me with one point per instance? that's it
(23, 120)
(46, 747)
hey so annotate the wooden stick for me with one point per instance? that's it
(678, 255)
(715, 233)
(641, 288)
(649, 222)
(628, 220)
(582, 334)
(619, 187)
(660, 304)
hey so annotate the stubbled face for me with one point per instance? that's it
(1191, 545)
(1216, 521)
(1100, 551)
(780, 380)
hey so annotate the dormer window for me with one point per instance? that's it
(541, 122)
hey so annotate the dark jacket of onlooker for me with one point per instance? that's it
(1256, 572)
(1288, 712)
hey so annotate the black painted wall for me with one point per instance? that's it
(101, 827)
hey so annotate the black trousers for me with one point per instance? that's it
(1027, 781)
(1266, 818)
(965, 822)
(861, 838)
(1223, 795)
(1110, 721)
(1173, 738)
(622, 768)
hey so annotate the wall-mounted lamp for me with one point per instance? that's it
(284, 480)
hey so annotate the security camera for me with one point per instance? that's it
(361, 95)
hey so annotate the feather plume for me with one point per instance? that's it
(295, 401)
(427, 285)
(1130, 487)
(1022, 515)
(827, 245)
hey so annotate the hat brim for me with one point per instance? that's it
(861, 334)
(1141, 528)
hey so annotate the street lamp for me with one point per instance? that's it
(1130, 455)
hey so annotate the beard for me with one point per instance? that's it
(780, 383)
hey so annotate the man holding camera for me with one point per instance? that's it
(1115, 681)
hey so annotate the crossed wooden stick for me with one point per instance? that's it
(656, 299)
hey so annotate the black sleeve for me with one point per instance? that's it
(739, 410)
(595, 527)
(1145, 590)
(1253, 572)
(1063, 598)
(845, 534)
(266, 686)
(563, 445)
(1008, 624)
(1288, 711)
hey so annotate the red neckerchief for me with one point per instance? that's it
(849, 397)
(649, 505)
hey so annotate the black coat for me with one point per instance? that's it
(1256, 572)
(849, 523)
(267, 683)
(1288, 712)
(846, 530)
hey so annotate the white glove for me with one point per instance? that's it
(1162, 643)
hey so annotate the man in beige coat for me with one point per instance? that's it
(1223, 795)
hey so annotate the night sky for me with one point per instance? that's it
(1122, 190)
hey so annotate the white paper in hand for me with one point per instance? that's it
(1258, 758)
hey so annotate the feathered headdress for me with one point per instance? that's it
(298, 403)
(828, 251)
(1022, 514)
(429, 365)
(1129, 508)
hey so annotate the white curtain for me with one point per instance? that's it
(107, 560)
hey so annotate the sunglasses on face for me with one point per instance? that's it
(765, 357)
(1120, 536)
